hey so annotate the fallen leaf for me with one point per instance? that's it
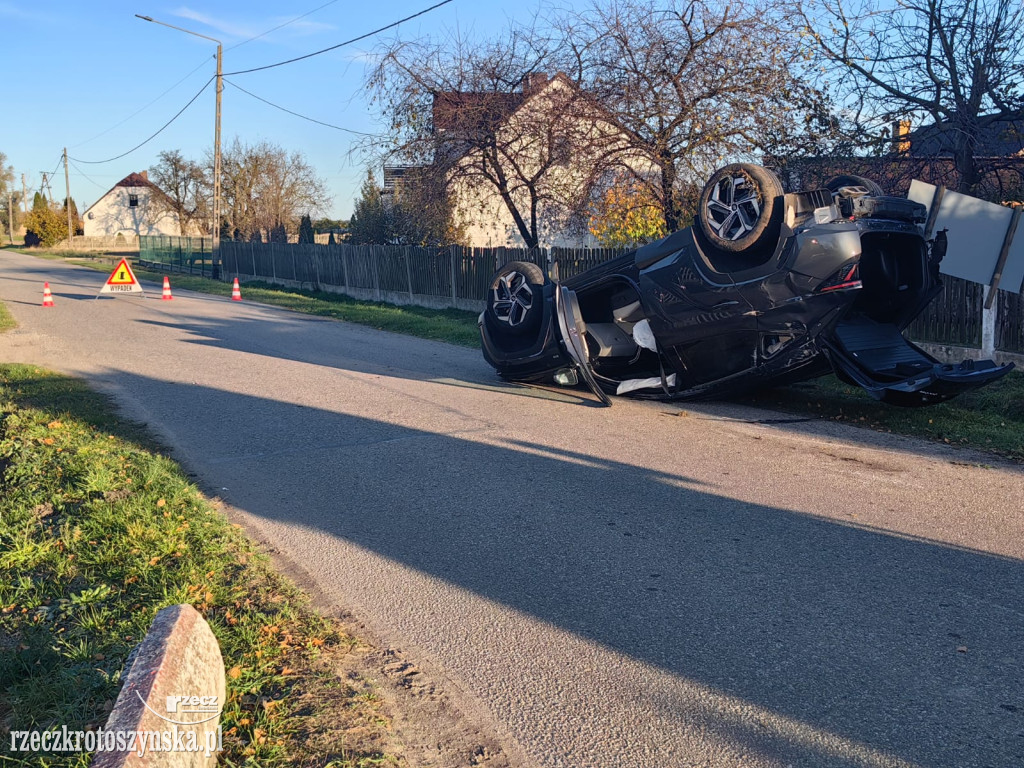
(161, 502)
(234, 673)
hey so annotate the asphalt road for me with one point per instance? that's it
(646, 585)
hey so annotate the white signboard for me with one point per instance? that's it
(976, 232)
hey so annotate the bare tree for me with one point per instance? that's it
(185, 187)
(958, 64)
(264, 187)
(690, 84)
(488, 119)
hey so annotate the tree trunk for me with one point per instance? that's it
(668, 198)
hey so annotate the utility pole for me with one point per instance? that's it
(24, 196)
(216, 175)
(67, 198)
(46, 186)
(10, 217)
(215, 224)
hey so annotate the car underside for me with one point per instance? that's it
(765, 289)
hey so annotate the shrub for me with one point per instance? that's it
(45, 227)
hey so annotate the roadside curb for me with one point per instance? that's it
(178, 658)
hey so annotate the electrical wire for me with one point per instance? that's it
(147, 106)
(161, 130)
(85, 175)
(339, 45)
(279, 26)
(304, 117)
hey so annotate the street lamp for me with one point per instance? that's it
(216, 144)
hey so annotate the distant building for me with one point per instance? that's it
(134, 206)
(530, 128)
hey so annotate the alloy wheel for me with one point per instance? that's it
(734, 207)
(513, 298)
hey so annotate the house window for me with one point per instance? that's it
(561, 152)
(133, 201)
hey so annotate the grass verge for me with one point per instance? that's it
(990, 419)
(455, 326)
(98, 531)
(6, 319)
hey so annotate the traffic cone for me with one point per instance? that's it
(236, 292)
(167, 289)
(47, 296)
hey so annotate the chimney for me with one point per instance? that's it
(534, 82)
(144, 174)
(901, 137)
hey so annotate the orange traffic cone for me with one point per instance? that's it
(236, 292)
(167, 289)
(47, 296)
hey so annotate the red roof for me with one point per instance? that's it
(135, 180)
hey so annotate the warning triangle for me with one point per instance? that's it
(122, 280)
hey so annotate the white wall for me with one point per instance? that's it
(112, 215)
(481, 210)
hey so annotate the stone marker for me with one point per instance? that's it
(173, 694)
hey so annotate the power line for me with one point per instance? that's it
(162, 128)
(147, 106)
(304, 117)
(339, 45)
(86, 176)
(279, 26)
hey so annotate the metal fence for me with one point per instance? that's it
(190, 255)
(459, 277)
(452, 276)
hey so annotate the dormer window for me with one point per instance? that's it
(133, 201)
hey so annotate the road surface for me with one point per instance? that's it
(645, 585)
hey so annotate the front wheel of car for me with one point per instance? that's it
(737, 207)
(515, 300)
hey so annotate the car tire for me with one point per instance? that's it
(834, 184)
(515, 299)
(737, 207)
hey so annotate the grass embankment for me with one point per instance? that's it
(990, 419)
(98, 531)
(6, 319)
(452, 325)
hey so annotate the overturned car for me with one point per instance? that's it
(766, 288)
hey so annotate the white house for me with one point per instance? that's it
(134, 206)
(548, 138)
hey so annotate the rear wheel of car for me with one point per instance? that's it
(737, 206)
(515, 301)
(836, 183)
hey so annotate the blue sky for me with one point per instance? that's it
(78, 72)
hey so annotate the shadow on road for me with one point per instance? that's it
(855, 636)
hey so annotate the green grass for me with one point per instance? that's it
(990, 419)
(6, 319)
(452, 325)
(99, 531)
